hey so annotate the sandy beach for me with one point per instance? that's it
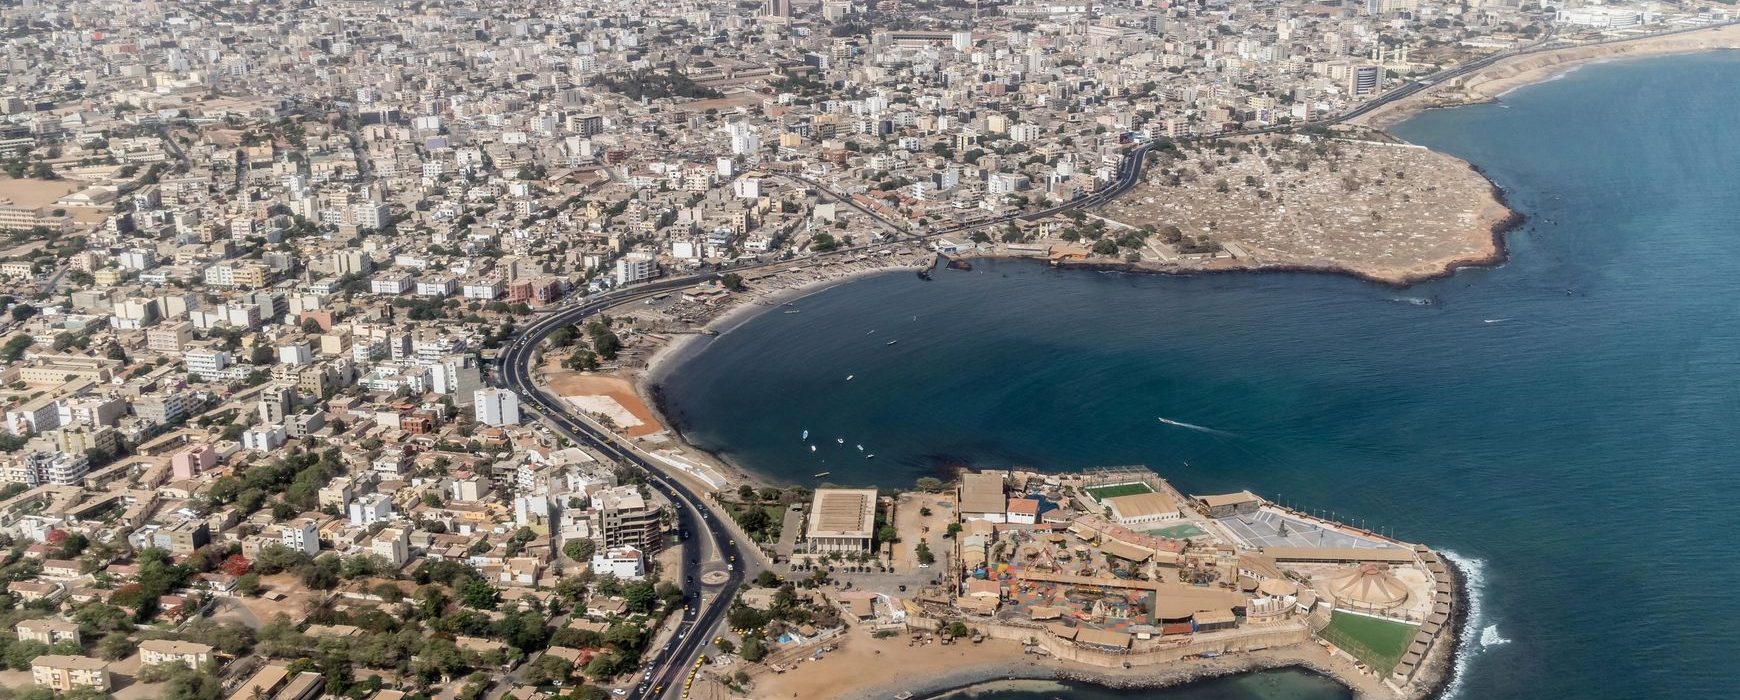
(1510, 74)
(763, 292)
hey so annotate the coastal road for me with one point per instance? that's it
(704, 605)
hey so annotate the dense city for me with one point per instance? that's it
(279, 284)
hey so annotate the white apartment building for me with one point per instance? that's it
(497, 406)
(635, 267)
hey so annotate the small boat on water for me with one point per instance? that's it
(872, 332)
(806, 434)
(891, 342)
(840, 441)
(821, 474)
(870, 456)
(795, 311)
(850, 376)
(860, 448)
(812, 448)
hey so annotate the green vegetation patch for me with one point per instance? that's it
(1377, 642)
(1101, 493)
(1178, 532)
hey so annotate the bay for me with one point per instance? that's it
(1565, 423)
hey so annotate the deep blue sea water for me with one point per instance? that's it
(1566, 423)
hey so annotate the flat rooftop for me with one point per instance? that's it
(843, 513)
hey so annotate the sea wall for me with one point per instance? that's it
(1145, 653)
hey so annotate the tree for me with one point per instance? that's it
(755, 520)
(726, 646)
(924, 555)
(602, 666)
(479, 594)
(732, 281)
(550, 669)
(640, 596)
(754, 649)
(15, 347)
(579, 549)
(1105, 246)
(311, 327)
(115, 646)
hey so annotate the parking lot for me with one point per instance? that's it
(1267, 528)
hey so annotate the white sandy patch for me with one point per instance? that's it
(605, 406)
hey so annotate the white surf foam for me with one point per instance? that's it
(1476, 628)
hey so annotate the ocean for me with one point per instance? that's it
(1563, 424)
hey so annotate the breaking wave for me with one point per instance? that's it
(1478, 633)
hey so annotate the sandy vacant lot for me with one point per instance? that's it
(865, 662)
(911, 526)
(611, 396)
(36, 193)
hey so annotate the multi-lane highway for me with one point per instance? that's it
(709, 545)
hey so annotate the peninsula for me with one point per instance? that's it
(326, 326)
(1109, 575)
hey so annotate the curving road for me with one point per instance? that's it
(706, 548)
(705, 605)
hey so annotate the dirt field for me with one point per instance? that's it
(911, 527)
(611, 396)
(36, 193)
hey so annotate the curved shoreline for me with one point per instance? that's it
(1493, 82)
(1496, 254)
(1437, 688)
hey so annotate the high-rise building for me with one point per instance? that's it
(621, 517)
(1363, 81)
(635, 267)
(497, 406)
(776, 8)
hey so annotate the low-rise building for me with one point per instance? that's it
(842, 520)
(166, 651)
(64, 674)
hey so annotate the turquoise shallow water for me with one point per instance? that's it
(1565, 423)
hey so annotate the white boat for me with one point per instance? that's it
(812, 448)
(806, 434)
(860, 448)
(850, 376)
(891, 342)
(870, 456)
(841, 441)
